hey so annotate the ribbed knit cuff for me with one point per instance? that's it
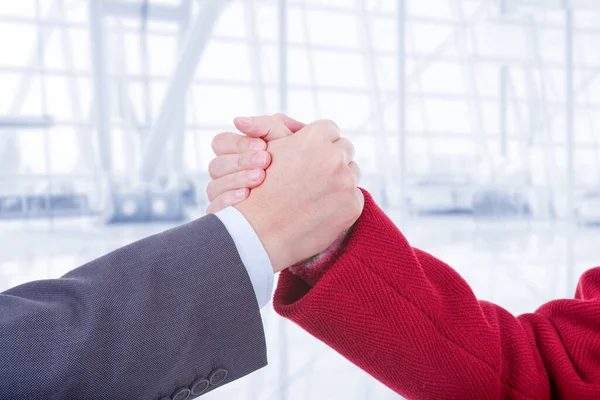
(313, 269)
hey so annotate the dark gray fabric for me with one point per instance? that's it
(142, 322)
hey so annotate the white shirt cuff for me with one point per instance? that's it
(251, 252)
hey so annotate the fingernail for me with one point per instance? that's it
(259, 159)
(240, 193)
(257, 144)
(254, 175)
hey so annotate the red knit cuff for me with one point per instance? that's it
(313, 269)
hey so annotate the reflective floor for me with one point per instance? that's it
(517, 264)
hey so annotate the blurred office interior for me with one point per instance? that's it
(476, 123)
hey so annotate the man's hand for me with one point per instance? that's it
(309, 197)
(241, 160)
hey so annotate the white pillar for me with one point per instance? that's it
(174, 99)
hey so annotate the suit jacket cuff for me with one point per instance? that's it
(251, 251)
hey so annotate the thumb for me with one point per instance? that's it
(291, 123)
(264, 126)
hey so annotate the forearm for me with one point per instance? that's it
(412, 322)
(144, 319)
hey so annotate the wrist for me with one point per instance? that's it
(270, 235)
(313, 269)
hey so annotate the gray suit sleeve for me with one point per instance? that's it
(172, 316)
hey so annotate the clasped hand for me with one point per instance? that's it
(296, 184)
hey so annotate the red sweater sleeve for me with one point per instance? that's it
(413, 323)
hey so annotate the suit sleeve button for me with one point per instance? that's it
(217, 376)
(181, 394)
(199, 387)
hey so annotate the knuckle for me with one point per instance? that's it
(217, 141)
(325, 123)
(331, 124)
(318, 125)
(348, 181)
(238, 180)
(351, 147)
(334, 166)
(358, 173)
(213, 168)
(328, 125)
(338, 157)
(245, 160)
(241, 143)
(210, 190)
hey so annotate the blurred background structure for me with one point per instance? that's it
(476, 124)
